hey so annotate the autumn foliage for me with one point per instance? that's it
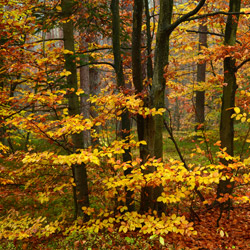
(82, 163)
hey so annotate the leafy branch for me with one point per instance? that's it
(170, 132)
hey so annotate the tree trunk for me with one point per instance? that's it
(201, 77)
(85, 86)
(94, 88)
(157, 94)
(121, 85)
(79, 171)
(149, 43)
(137, 67)
(154, 125)
(228, 97)
(144, 132)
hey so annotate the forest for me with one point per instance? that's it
(124, 124)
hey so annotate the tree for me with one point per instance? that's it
(154, 125)
(228, 96)
(125, 130)
(201, 77)
(79, 170)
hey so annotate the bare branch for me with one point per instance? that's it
(46, 40)
(96, 63)
(244, 62)
(103, 48)
(210, 33)
(184, 18)
(205, 32)
(217, 13)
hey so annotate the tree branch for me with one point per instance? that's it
(92, 50)
(50, 138)
(103, 48)
(244, 62)
(217, 13)
(181, 157)
(205, 32)
(39, 41)
(210, 33)
(96, 63)
(184, 18)
(17, 112)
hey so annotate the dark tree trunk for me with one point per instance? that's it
(228, 97)
(154, 125)
(79, 171)
(121, 85)
(201, 77)
(149, 43)
(147, 193)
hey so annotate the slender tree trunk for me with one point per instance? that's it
(201, 77)
(149, 43)
(121, 85)
(85, 86)
(177, 115)
(94, 88)
(137, 66)
(228, 97)
(79, 171)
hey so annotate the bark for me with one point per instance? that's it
(201, 77)
(157, 94)
(228, 97)
(137, 66)
(89, 82)
(177, 114)
(121, 85)
(154, 125)
(144, 132)
(79, 171)
(85, 86)
(149, 43)
(94, 79)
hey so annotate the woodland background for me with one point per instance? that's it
(124, 124)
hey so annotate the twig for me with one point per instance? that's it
(244, 62)
(182, 158)
(217, 13)
(210, 33)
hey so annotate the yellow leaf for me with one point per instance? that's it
(222, 233)
(119, 112)
(79, 91)
(65, 73)
(59, 8)
(243, 119)
(66, 51)
(237, 110)
(173, 217)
